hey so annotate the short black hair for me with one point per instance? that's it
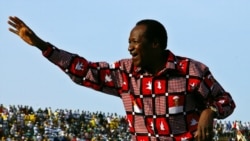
(155, 30)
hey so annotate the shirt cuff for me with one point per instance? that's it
(215, 110)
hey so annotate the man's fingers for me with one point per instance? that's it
(16, 25)
(13, 27)
(16, 20)
(11, 23)
(13, 31)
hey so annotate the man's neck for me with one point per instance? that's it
(157, 64)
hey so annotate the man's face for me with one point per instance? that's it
(139, 46)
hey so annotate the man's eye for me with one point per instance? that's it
(134, 42)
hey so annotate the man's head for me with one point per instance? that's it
(155, 32)
(147, 42)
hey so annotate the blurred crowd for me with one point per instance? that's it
(233, 131)
(23, 123)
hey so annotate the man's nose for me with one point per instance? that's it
(130, 47)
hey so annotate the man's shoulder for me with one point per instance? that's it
(195, 67)
(191, 61)
(125, 64)
(125, 61)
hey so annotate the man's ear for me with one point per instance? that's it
(156, 44)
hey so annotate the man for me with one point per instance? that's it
(149, 84)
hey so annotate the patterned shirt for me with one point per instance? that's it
(161, 107)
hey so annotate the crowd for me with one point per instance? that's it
(235, 130)
(23, 123)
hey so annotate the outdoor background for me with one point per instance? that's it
(214, 32)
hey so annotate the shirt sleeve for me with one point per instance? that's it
(99, 76)
(216, 97)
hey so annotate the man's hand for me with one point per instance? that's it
(205, 126)
(24, 32)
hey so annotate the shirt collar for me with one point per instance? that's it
(170, 65)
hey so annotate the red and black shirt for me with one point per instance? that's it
(159, 107)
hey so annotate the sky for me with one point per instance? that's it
(213, 32)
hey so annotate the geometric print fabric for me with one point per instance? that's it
(161, 107)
